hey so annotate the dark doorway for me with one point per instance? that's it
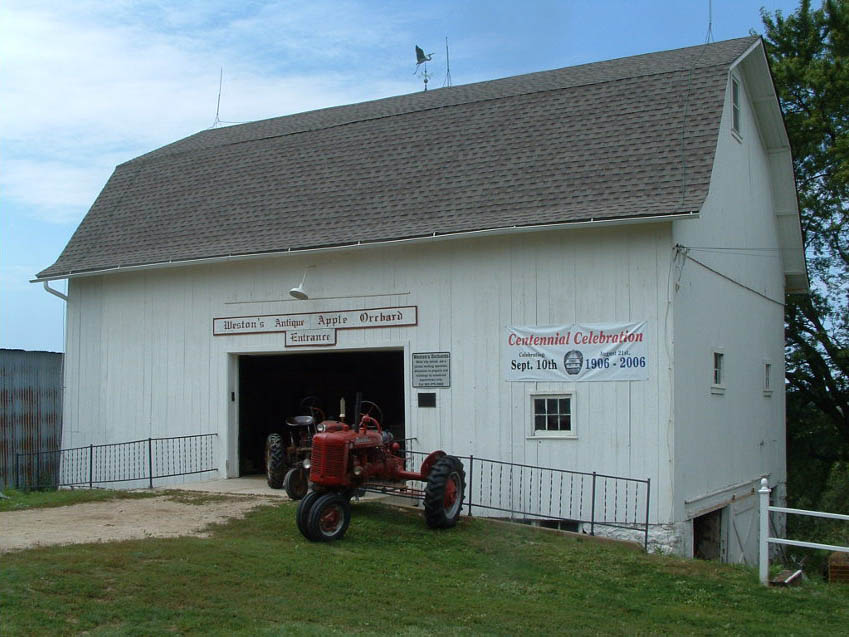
(707, 536)
(271, 388)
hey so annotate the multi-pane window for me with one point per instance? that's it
(718, 362)
(552, 414)
(735, 106)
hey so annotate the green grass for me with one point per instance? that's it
(19, 500)
(392, 575)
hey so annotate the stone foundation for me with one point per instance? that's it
(669, 539)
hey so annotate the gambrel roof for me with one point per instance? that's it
(627, 138)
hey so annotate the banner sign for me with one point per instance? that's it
(578, 352)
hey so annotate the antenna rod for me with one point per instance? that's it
(709, 35)
(447, 65)
(218, 104)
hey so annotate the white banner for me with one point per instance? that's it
(591, 351)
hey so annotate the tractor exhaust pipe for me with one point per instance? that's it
(355, 418)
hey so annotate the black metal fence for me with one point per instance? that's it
(140, 460)
(532, 493)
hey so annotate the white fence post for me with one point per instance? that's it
(763, 540)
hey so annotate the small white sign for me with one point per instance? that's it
(310, 338)
(432, 369)
(577, 352)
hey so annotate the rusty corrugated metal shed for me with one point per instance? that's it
(30, 406)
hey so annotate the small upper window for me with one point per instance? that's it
(553, 415)
(718, 384)
(718, 360)
(735, 105)
(767, 378)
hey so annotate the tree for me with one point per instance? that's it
(809, 56)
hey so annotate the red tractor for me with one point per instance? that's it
(285, 454)
(346, 459)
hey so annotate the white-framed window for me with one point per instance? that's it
(553, 415)
(718, 373)
(735, 106)
(767, 378)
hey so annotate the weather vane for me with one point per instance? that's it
(422, 59)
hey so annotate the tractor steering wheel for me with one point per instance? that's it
(373, 411)
(309, 407)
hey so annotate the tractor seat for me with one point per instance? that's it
(300, 421)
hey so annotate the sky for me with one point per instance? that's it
(90, 84)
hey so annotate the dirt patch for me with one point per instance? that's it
(163, 516)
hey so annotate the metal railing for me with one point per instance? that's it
(765, 540)
(532, 493)
(140, 460)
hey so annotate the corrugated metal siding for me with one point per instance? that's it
(30, 406)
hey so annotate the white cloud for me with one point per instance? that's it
(52, 190)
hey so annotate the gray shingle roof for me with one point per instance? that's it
(597, 141)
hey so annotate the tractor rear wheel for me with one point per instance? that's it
(329, 518)
(303, 514)
(443, 499)
(275, 461)
(296, 483)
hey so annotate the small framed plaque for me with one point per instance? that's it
(432, 369)
(427, 399)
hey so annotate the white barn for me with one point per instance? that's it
(651, 195)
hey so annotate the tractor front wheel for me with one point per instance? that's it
(443, 499)
(275, 461)
(296, 482)
(329, 518)
(303, 515)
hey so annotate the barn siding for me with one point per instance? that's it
(148, 364)
(731, 439)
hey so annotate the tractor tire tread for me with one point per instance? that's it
(318, 509)
(436, 516)
(303, 514)
(275, 461)
(296, 482)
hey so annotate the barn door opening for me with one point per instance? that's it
(707, 536)
(272, 387)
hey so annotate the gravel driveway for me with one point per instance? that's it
(126, 519)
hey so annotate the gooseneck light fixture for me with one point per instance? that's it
(299, 292)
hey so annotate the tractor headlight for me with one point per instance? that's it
(306, 464)
(358, 470)
(320, 427)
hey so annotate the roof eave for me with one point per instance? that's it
(469, 234)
